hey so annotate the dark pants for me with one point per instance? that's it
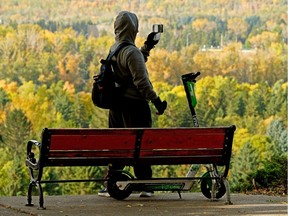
(132, 113)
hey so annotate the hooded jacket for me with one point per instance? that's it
(130, 70)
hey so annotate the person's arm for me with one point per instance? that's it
(136, 65)
(148, 45)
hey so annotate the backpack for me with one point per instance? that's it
(105, 90)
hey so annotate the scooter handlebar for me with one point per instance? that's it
(190, 76)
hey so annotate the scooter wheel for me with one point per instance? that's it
(113, 188)
(206, 187)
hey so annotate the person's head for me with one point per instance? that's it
(126, 27)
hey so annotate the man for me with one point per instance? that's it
(130, 72)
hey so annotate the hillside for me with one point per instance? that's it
(174, 15)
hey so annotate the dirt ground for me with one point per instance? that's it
(159, 204)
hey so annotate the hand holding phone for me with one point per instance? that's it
(154, 37)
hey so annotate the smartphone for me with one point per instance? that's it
(157, 28)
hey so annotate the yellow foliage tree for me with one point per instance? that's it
(238, 26)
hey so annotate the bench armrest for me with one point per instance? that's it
(31, 161)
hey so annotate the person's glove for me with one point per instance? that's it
(150, 42)
(160, 106)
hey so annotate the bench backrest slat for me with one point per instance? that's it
(183, 138)
(181, 152)
(182, 160)
(77, 147)
(86, 140)
(88, 154)
(80, 142)
(190, 145)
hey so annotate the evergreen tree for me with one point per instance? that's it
(279, 135)
(277, 98)
(16, 130)
(244, 164)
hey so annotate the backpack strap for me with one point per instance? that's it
(118, 48)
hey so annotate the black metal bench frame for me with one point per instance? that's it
(129, 146)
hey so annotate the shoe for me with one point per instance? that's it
(103, 193)
(146, 194)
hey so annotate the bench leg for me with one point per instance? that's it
(29, 196)
(228, 195)
(41, 199)
(179, 193)
(40, 191)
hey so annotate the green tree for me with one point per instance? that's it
(16, 130)
(278, 133)
(277, 99)
(273, 171)
(237, 105)
(273, 174)
(244, 164)
(258, 98)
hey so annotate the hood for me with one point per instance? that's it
(125, 27)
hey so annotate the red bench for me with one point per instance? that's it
(101, 147)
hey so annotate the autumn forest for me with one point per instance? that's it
(49, 51)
